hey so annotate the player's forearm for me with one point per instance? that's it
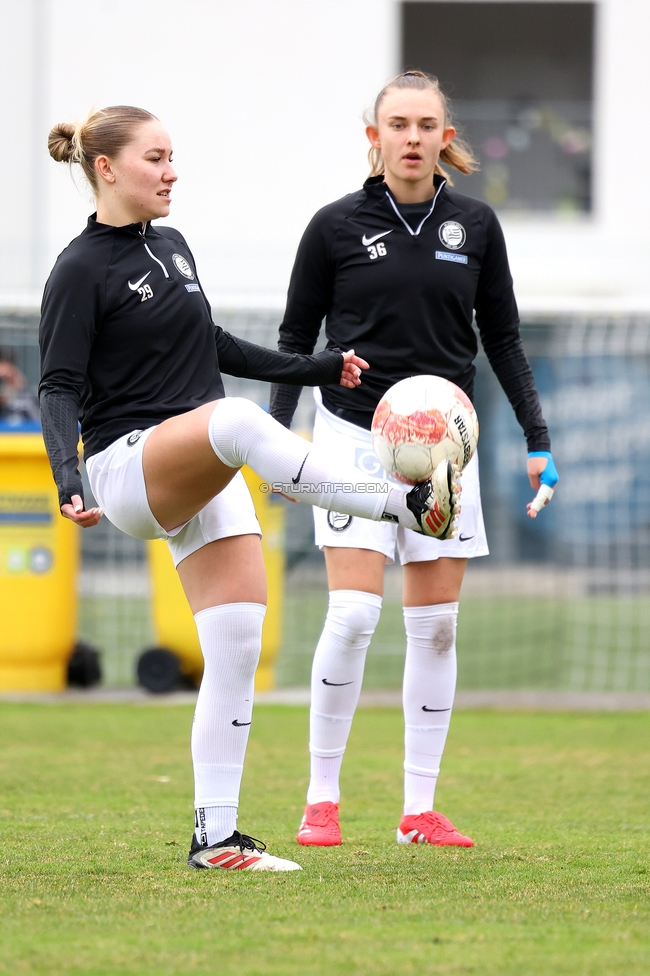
(59, 418)
(284, 400)
(513, 371)
(238, 357)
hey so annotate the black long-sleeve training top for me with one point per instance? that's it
(400, 285)
(127, 341)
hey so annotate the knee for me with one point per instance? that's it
(443, 635)
(433, 628)
(353, 614)
(234, 409)
(230, 636)
(233, 422)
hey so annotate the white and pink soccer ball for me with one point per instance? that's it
(420, 422)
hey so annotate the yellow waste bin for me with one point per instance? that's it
(173, 622)
(39, 558)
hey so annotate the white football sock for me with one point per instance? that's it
(428, 696)
(215, 823)
(336, 677)
(240, 433)
(231, 639)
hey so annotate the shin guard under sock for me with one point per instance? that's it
(428, 697)
(337, 674)
(231, 638)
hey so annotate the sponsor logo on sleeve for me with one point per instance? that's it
(194, 287)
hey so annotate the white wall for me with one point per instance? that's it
(263, 99)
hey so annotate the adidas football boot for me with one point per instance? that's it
(431, 828)
(237, 853)
(434, 503)
(319, 826)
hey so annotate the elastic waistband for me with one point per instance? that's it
(338, 424)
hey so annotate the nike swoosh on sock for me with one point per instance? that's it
(297, 478)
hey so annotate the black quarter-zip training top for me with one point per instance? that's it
(403, 294)
(127, 341)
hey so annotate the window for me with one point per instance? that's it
(519, 76)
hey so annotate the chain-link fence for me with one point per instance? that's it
(562, 602)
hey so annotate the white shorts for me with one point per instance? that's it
(117, 481)
(353, 445)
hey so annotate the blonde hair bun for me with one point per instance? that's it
(60, 142)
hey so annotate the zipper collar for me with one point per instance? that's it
(132, 230)
(143, 231)
(153, 256)
(415, 233)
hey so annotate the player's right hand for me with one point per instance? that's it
(75, 512)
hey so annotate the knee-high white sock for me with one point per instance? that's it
(429, 688)
(337, 673)
(240, 433)
(231, 639)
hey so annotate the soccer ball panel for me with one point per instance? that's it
(421, 421)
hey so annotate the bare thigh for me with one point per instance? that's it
(181, 471)
(355, 569)
(425, 583)
(226, 571)
(433, 581)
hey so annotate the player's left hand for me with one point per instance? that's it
(351, 372)
(543, 477)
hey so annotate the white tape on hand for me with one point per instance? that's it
(542, 498)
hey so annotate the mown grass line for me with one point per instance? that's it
(96, 820)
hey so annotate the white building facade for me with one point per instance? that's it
(264, 101)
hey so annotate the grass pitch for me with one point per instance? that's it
(96, 821)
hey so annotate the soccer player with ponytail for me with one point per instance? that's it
(398, 269)
(128, 347)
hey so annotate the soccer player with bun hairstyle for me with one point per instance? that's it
(128, 347)
(398, 269)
